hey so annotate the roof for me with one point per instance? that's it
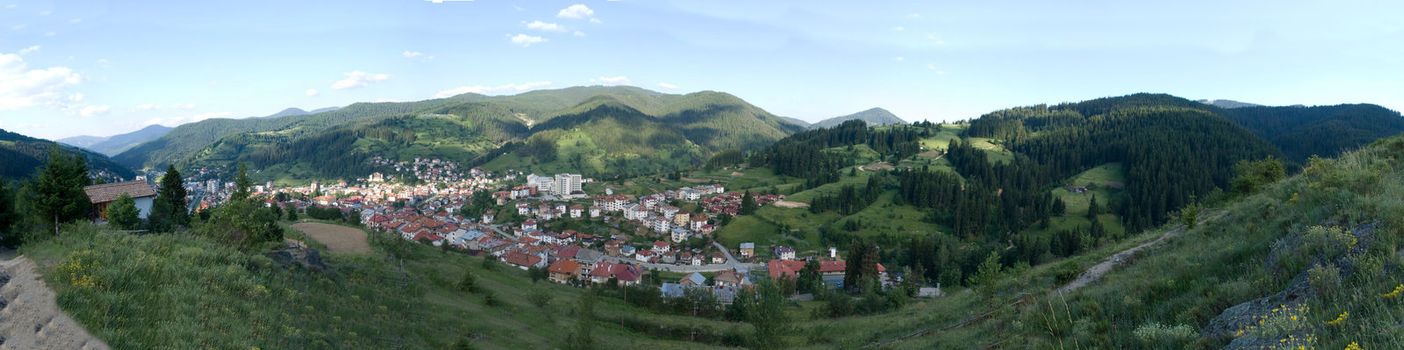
(522, 259)
(109, 192)
(565, 266)
(694, 278)
(784, 268)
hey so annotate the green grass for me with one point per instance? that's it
(180, 291)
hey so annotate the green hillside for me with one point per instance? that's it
(1326, 131)
(22, 156)
(685, 128)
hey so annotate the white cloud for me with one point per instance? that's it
(578, 34)
(527, 40)
(493, 90)
(935, 39)
(899, 58)
(899, 29)
(933, 67)
(22, 87)
(75, 20)
(76, 97)
(546, 26)
(914, 15)
(668, 86)
(148, 107)
(184, 106)
(312, 92)
(577, 11)
(356, 79)
(174, 121)
(89, 111)
(609, 81)
(444, 1)
(29, 50)
(411, 54)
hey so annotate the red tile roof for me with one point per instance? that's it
(565, 267)
(522, 259)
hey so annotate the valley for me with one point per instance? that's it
(675, 221)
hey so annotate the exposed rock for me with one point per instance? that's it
(296, 253)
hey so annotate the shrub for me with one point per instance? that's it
(1155, 335)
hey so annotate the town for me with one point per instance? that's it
(548, 223)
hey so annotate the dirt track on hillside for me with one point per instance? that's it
(29, 314)
(1096, 272)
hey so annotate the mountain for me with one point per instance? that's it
(112, 145)
(1228, 104)
(795, 121)
(1301, 132)
(874, 116)
(581, 126)
(81, 141)
(21, 156)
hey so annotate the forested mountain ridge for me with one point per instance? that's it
(1323, 131)
(21, 156)
(476, 129)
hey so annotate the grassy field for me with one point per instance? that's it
(337, 238)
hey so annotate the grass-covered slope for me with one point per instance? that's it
(183, 291)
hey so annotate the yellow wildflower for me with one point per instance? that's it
(1354, 346)
(1339, 319)
(1394, 293)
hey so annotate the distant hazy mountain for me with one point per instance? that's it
(112, 145)
(874, 117)
(1229, 103)
(82, 141)
(21, 156)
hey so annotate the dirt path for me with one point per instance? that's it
(29, 315)
(1096, 272)
(338, 239)
(789, 204)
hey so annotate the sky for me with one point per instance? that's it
(72, 68)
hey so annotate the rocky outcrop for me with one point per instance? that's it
(29, 314)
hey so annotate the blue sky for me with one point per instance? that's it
(104, 67)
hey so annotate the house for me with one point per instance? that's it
(784, 253)
(832, 272)
(562, 271)
(788, 269)
(523, 209)
(731, 278)
(672, 290)
(682, 219)
(594, 212)
(625, 274)
(662, 225)
(680, 234)
(529, 225)
(577, 211)
(103, 195)
(748, 250)
(662, 247)
(611, 248)
(697, 221)
(488, 216)
(693, 280)
(523, 260)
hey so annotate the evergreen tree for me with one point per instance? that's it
(58, 195)
(292, 213)
(1093, 209)
(8, 215)
(173, 195)
(748, 204)
(469, 282)
(242, 184)
(123, 213)
(988, 271)
(242, 224)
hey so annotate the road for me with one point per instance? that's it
(1096, 272)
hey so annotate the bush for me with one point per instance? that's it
(1158, 336)
(540, 298)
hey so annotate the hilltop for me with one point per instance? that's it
(874, 116)
(115, 144)
(520, 131)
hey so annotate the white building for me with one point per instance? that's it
(565, 184)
